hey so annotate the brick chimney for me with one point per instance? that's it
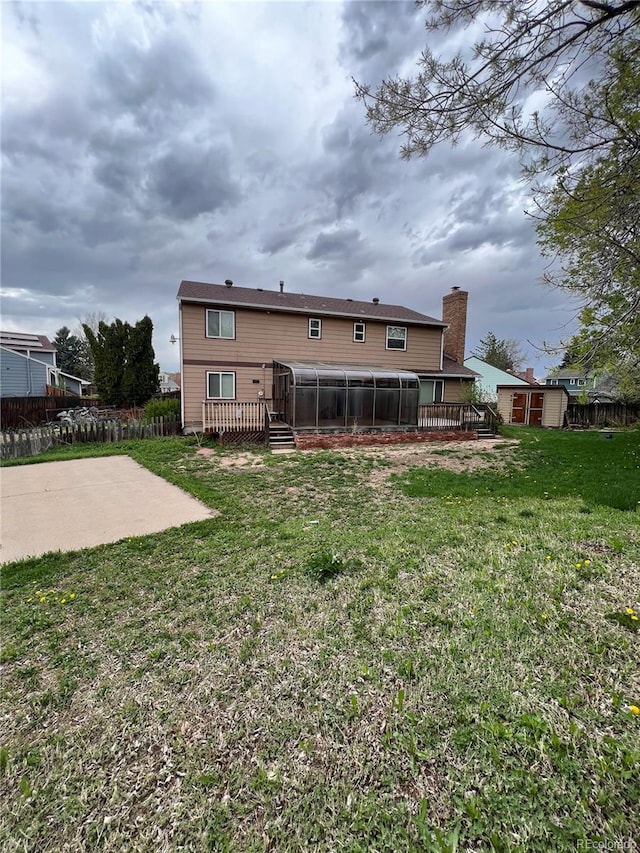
(454, 312)
(529, 377)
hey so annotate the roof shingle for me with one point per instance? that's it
(273, 300)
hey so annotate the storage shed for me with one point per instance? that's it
(533, 405)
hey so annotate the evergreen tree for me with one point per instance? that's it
(73, 354)
(502, 353)
(141, 378)
(123, 356)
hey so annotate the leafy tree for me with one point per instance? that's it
(581, 148)
(591, 223)
(574, 354)
(473, 392)
(72, 354)
(503, 353)
(123, 357)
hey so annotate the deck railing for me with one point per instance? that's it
(445, 416)
(225, 416)
(460, 416)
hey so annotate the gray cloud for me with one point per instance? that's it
(377, 37)
(165, 79)
(336, 245)
(280, 239)
(26, 16)
(144, 143)
(192, 180)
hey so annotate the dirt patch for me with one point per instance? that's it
(393, 459)
(467, 456)
(242, 460)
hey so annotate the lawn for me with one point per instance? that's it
(416, 650)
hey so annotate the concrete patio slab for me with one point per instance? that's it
(65, 506)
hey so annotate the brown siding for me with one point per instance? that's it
(262, 338)
(453, 389)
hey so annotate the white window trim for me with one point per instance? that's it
(220, 373)
(400, 349)
(363, 331)
(317, 320)
(219, 311)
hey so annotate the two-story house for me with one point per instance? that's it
(575, 380)
(317, 361)
(28, 367)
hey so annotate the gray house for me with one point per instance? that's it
(28, 366)
(583, 383)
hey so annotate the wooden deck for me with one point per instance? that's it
(224, 417)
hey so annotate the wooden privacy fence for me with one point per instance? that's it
(602, 414)
(31, 442)
(32, 411)
(233, 417)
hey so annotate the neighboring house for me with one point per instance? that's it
(168, 383)
(318, 361)
(33, 346)
(28, 366)
(489, 377)
(576, 381)
(533, 405)
(582, 383)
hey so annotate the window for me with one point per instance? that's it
(431, 391)
(221, 386)
(553, 382)
(315, 328)
(359, 330)
(396, 337)
(221, 324)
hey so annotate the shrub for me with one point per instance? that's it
(160, 409)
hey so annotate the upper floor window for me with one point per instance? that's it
(359, 331)
(221, 324)
(553, 381)
(221, 386)
(315, 327)
(396, 337)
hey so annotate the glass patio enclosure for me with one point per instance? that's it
(316, 395)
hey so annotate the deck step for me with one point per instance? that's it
(281, 436)
(485, 432)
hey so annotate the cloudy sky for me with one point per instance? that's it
(145, 142)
